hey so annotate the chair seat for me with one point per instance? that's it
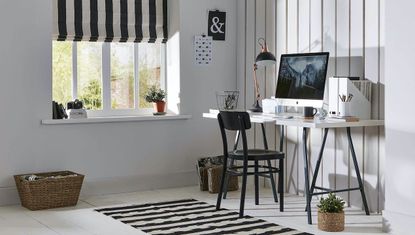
(257, 154)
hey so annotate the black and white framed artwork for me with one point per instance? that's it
(217, 25)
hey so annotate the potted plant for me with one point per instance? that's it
(330, 214)
(156, 96)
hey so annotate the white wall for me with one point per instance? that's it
(352, 31)
(115, 157)
(399, 214)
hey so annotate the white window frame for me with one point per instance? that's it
(106, 82)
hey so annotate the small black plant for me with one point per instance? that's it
(154, 94)
(230, 101)
(331, 204)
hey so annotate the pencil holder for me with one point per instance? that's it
(344, 109)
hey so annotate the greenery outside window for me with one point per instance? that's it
(110, 78)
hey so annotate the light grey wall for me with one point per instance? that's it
(115, 157)
(352, 31)
(399, 214)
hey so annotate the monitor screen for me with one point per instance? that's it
(302, 76)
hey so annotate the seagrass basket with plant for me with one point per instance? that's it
(330, 214)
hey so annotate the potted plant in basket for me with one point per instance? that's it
(331, 214)
(156, 96)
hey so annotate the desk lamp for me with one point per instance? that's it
(265, 58)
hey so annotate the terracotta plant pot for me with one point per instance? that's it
(331, 222)
(159, 106)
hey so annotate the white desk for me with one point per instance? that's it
(306, 125)
(300, 122)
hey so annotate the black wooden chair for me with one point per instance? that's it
(240, 122)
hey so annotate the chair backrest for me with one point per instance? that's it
(234, 121)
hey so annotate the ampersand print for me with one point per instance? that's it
(217, 25)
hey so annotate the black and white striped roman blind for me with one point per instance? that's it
(110, 20)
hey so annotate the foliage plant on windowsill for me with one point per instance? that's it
(157, 97)
(331, 214)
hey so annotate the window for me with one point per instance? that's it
(110, 78)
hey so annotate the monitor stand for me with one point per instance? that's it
(256, 108)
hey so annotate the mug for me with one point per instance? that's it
(309, 112)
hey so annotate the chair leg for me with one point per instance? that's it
(225, 190)
(222, 182)
(281, 184)
(256, 184)
(271, 175)
(243, 189)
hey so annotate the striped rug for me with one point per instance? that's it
(190, 216)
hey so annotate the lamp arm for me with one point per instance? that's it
(257, 94)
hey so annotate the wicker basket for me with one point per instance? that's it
(214, 180)
(49, 192)
(331, 222)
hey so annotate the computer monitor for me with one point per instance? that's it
(301, 79)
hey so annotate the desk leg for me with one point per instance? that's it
(307, 182)
(320, 156)
(264, 136)
(256, 183)
(235, 146)
(282, 137)
(274, 190)
(281, 173)
(356, 167)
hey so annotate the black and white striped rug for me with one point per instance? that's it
(190, 216)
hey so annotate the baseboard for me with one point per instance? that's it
(397, 223)
(100, 186)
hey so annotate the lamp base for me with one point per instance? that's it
(256, 108)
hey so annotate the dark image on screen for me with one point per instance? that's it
(302, 76)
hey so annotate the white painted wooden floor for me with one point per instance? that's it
(82, 219)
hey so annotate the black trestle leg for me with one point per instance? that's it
(271, 175)
(256, 178)
(356, 167)
(320, 156)
(281, 183)
(307, 182)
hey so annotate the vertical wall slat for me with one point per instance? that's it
(381, 164)
(371, 158)
(356, 70)
(329, 44)
(281, 48)
(342, 69)
(292, 132)
(270, 25)
(250, 59)
(241, 58)
(303, 47)
(316, 29)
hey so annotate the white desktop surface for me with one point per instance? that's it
(301, 122)
(254, 117)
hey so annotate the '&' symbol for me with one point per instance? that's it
(216, 26)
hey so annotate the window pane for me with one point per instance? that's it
(90, 74)
(149, 61)
(122, 75)
(62, 72)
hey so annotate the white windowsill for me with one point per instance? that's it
(140, 118)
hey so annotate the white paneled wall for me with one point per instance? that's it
(352, 31)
